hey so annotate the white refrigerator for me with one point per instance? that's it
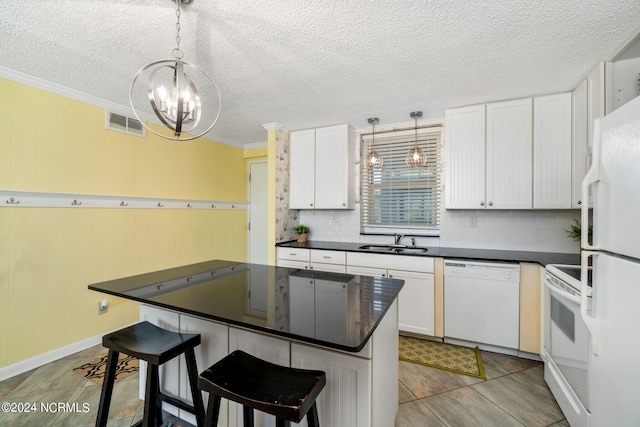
(614, 318)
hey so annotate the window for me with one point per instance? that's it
(398, 196)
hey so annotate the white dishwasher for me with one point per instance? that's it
(482, 302)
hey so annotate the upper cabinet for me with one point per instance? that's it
(509, 155)
(622, 69)
(465, 157)
(552, 151)
(322, 168)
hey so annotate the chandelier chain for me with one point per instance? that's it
(177, 52)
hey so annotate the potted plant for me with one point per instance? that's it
(303, 233)
(575, 231)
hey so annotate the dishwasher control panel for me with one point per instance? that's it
(483, 270)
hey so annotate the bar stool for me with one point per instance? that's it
(156, 346)
(287, 393)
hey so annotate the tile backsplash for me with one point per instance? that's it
(509, 230)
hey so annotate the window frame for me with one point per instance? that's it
(395, 143)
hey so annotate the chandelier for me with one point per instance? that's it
(373, 159)
(172, 93)
(416, 157)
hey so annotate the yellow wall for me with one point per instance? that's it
(48, 256)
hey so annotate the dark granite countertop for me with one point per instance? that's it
(542, 258)
(338, 311)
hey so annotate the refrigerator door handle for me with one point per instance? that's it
(592, 324)
(592, 176)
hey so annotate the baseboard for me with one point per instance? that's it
(51, 356)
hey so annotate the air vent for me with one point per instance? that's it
(120, 123)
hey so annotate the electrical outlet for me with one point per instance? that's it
(103, 306)
(473, 221)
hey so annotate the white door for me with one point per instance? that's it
(579, 141)
(334, 160)
(258, 246)
(415, 302)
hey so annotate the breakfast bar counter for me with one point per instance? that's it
(343, 324)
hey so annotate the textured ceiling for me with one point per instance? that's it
(312, 63)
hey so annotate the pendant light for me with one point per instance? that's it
(373, 159)
(173, 95)
(416, 157)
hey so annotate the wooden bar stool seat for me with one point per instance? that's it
(288, 393)
(156, 346)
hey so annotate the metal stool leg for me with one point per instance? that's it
(107, 388)
(282, 422)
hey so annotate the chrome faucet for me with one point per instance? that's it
(398, 237)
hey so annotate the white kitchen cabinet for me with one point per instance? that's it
(322, 168)
(316, 259)
(465, 157)
(552, 151)
(416, 302)
(302, 169)
(579, 142)
(213, 347)
(509, 155)
(489, 156)
(348, 385)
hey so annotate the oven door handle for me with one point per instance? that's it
(592, 324)
(559, 292)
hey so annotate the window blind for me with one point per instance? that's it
(396, 195)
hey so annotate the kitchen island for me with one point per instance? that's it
(343, 324)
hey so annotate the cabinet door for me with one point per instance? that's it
(465, 158)
(214, 346)
(579, 141)
(509, 155)
(334, 170)
(346, 399)
(415, 302)
(552, 151)
(595, 100)
(302, 309)
(302, 169)
(367, 271)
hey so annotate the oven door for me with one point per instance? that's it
(566, 338)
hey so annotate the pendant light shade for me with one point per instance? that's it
(172, 92)
(416, 157)
(373, 159)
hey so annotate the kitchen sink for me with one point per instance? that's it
(400, 249)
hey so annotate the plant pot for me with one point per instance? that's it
(302, 238)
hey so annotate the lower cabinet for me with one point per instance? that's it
(361, 390)
(348, 388)
(416, 302)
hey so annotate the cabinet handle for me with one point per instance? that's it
(390, 276)
(310, 204)
(293, 254)
(383, 275)
(490, 203)
(481, 203)
(344, 204)
(579, 202)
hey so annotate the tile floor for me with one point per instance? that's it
(514, 394)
